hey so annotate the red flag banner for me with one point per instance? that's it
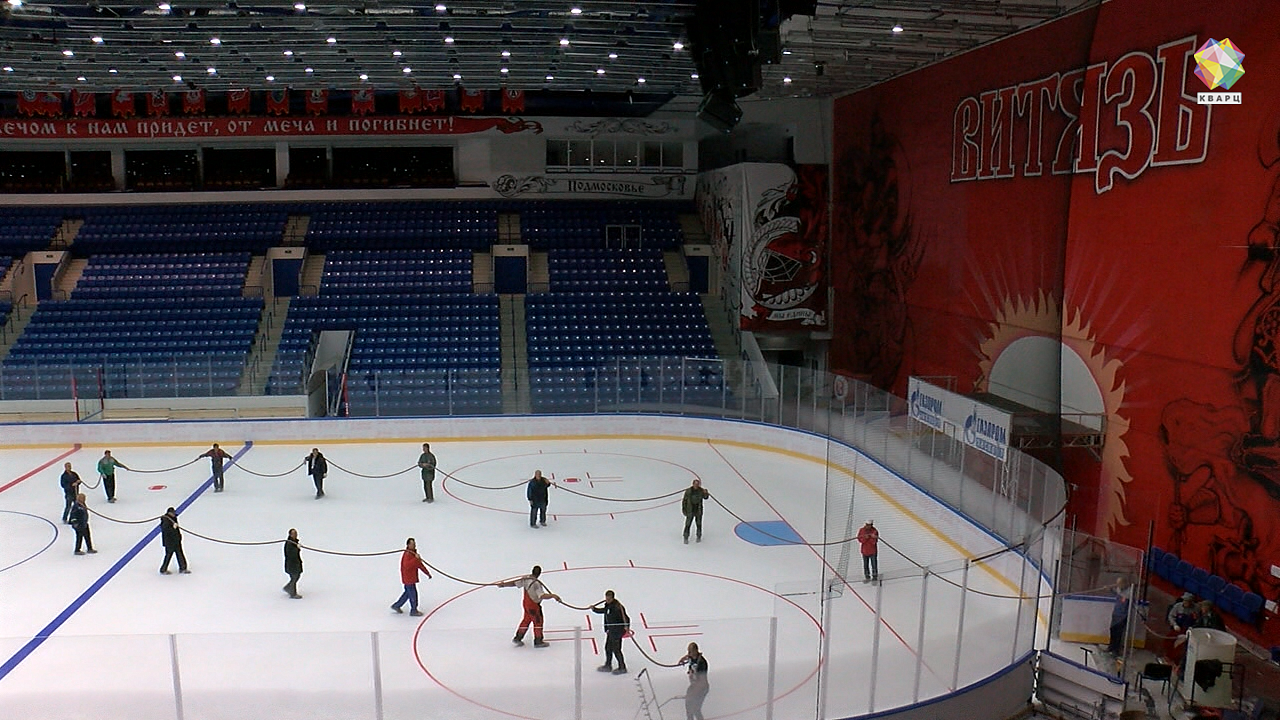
(410, 100)
(238, 102)
(122, 104)
(83, 104)
(362, 101)
(278, 102)
(512, 101)
(38, 102)
(193, 102)
(471, 100)
(157, 103)
(317, 102)
(433, 100)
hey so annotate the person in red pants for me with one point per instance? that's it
(534, 593)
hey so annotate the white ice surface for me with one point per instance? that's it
(244, 650)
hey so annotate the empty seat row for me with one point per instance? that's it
(1231, 598)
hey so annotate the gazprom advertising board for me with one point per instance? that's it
(980, 426)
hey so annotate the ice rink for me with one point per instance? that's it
(106, 636)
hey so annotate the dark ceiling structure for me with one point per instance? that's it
(802, 49)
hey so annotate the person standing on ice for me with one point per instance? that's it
(216, 456)
(531, 600)
(317, 468)
(691, 506)
(536, 492)
(107, 471)
(869, 540)
(410, 565)
(427, 461)
(292, 563)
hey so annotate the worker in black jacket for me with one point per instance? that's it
(292, 563)
(80, 523)
(317, 468)
(70, 482)
(171, 538)
(536, 492)
(616, 625)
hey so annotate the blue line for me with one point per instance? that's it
(41, 550)
(101, 582)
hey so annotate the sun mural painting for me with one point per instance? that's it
(1027, 331)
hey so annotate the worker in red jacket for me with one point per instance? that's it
(869, 540)
(410, 564)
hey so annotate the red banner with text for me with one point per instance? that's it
(250, 127)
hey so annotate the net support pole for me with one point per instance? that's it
(964, 595)
(377, 676)
(924, 612)
(577, 672)
(177, 675)
(825, 674)
(875, 649)
(773, 667)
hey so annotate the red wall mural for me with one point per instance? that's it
(1055, 219)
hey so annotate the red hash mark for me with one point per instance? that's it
(644, 622)
(572, 480)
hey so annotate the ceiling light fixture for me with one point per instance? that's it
(448, 40)
(564, 42)
(177, 78)
(112, 71)
(640, 81)
(599, 71)
(396, 53)
(308, 71)
(364, 76)
(164, 7)
(575, 11)
(897, 28)
(212, 71)
(694, 76)
(97, 39)
(179, 54)
(786, 52)
(549, 77)
(271, 78)
(506, 53)
(456, 76)
(441, 8)
(407, 70)
(300, 7)
(80, 78)
(786, 80)
(68, 53)
(504, 71)
(288, 53)
(16, 3)
(8, 68)
(613, 56)
(215, 41)
(331, 40)
(678, 45)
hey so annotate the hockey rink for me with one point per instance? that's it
(106, 636)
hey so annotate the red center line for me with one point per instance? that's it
(74, 448)
(822, 559)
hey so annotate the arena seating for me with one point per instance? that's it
(599, 270)
(361, 271)
(424, 343)
(594, 349)
(193, 228)
(140, 326)
(23, 230)
(469, 225)
(584, 224)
